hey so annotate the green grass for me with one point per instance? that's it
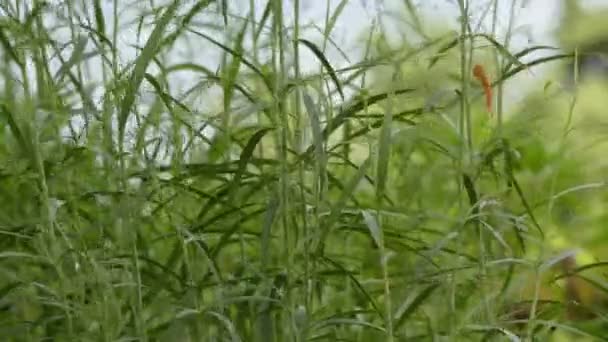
(265, 203)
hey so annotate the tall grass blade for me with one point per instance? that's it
(326, 64)
(336, 209)
(149, 51)
(406, 311)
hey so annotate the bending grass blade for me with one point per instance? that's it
(409, 308)
(186, 20)
(443, 50)
(230, 76)
(246, 62)
(75, 58)
(352, 110)
(244, 159)
(149, 51)
(329, 27)
(325, 63)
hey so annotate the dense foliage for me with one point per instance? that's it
(167, 198)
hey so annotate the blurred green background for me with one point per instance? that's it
(237, 175)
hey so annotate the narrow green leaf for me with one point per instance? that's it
(325, 63)
(525, 52)
(6, 44)
(318, 142)
(99, 17)
(417, 24)
(492, 329)
(231, 74)
(224, 11)
(227, 323)
(242, 58)
(356, 282)
(348, 322)
(353, 108)
(470, 189)
(525, 203)
(24, 145)
(269, 217)
(245, 157)
(405, 312)
(336, 209)
(35, 13)
(373, 227)
(75, 58)
(503, 50)
(149, 51)
(211, 76)
(262, 23)
(513, 182)
(443, 50)
(334, 17)
(514, 71)
(19, 255)
(384, 150)
(198, 7)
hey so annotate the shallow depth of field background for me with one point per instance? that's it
(303, 170)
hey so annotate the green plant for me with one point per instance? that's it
(263, 202)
